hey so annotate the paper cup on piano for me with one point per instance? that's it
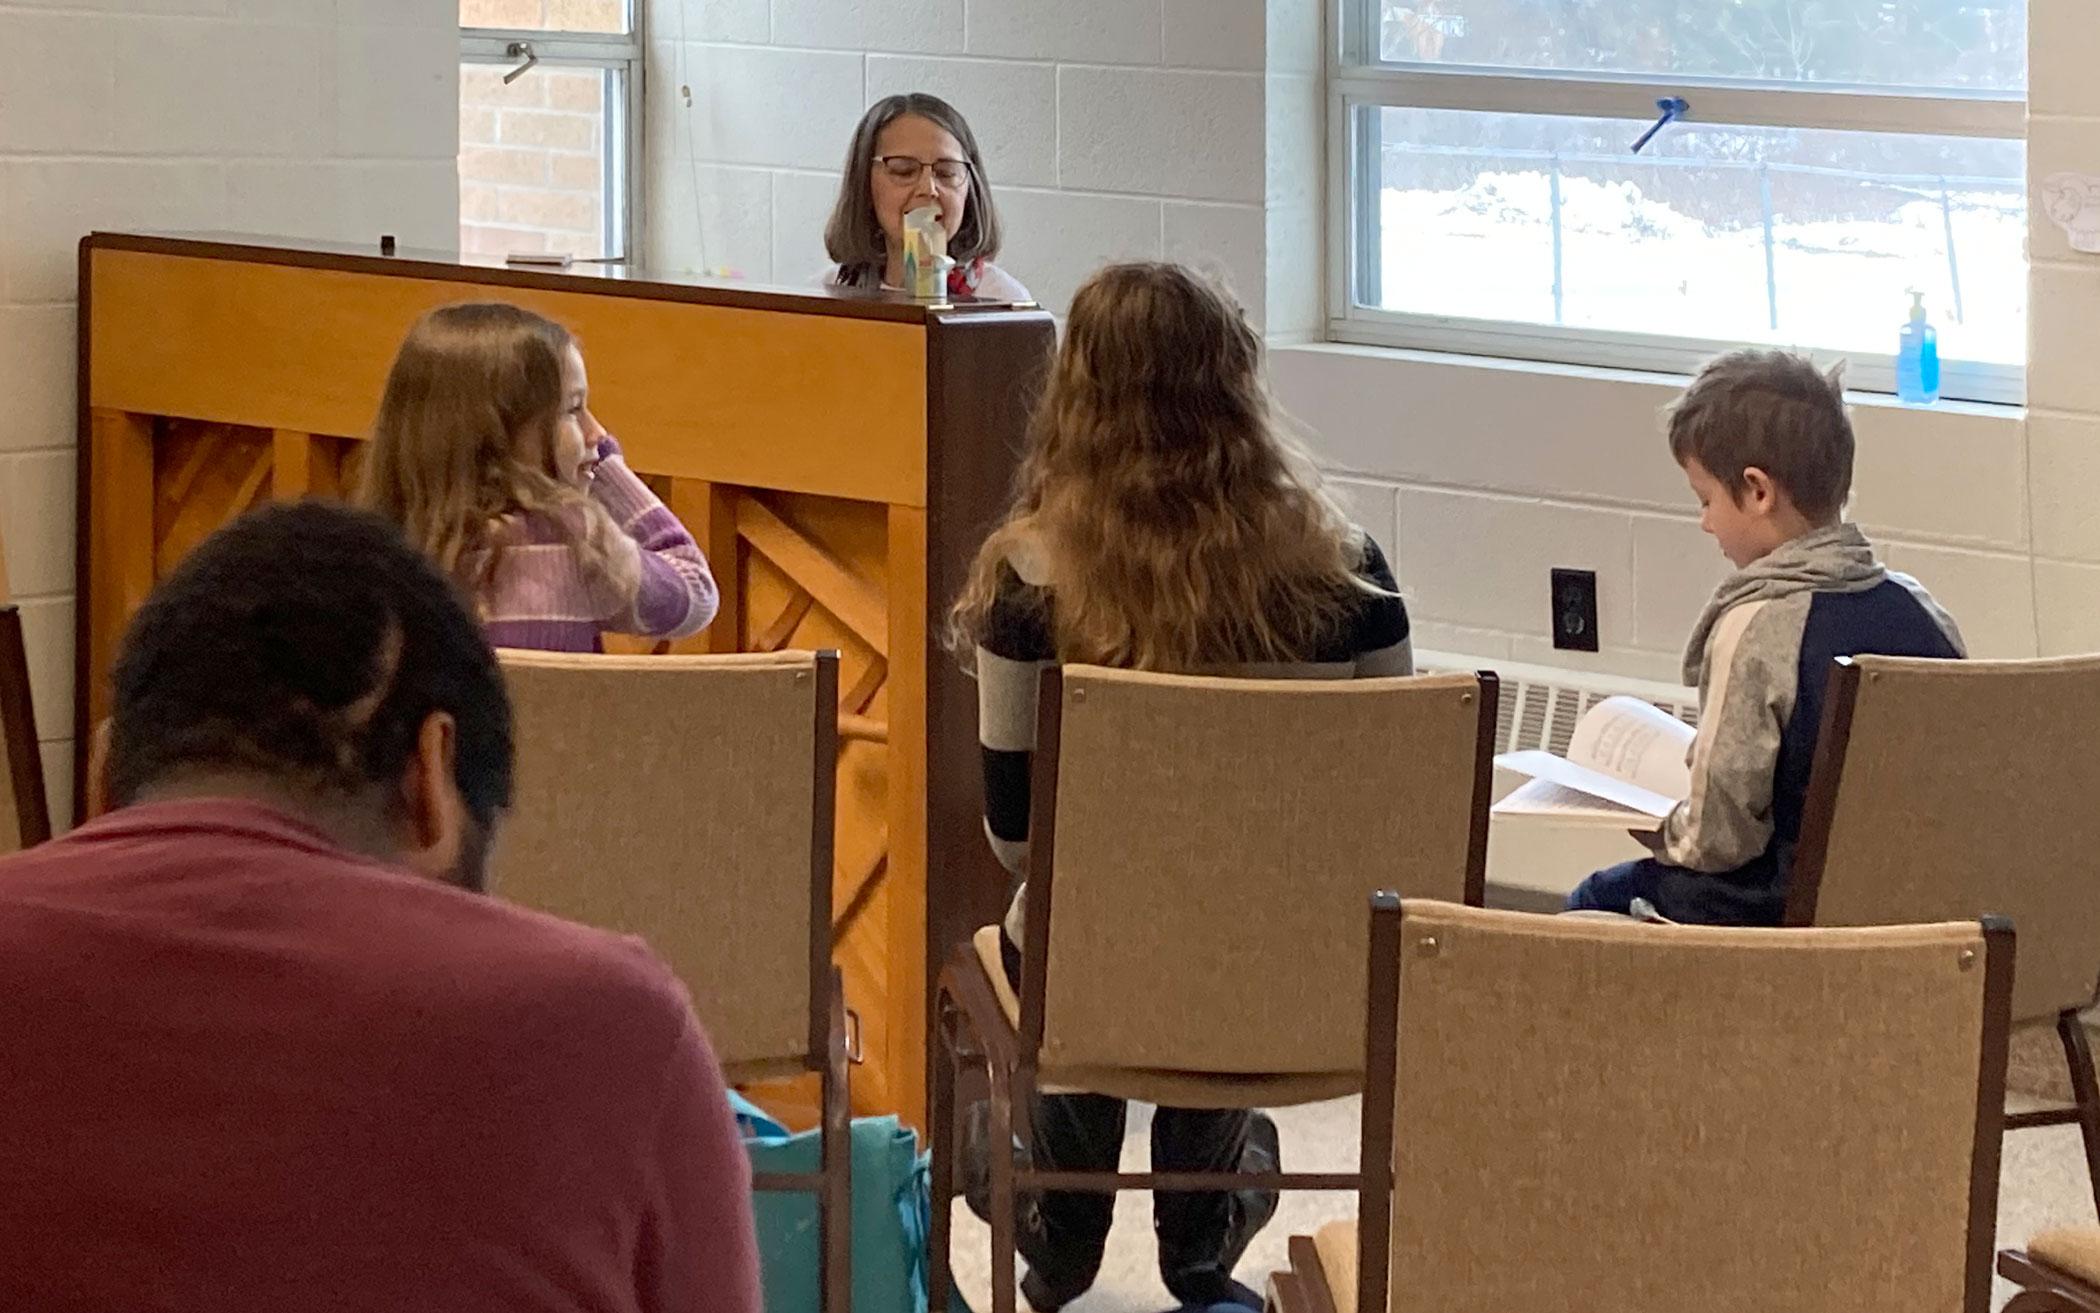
(926, 262)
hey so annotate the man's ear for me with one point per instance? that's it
(97, 775)
(434, 815)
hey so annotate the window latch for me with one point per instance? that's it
(1673, 108)
(523, 50)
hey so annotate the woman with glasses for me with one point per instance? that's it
(911, 151)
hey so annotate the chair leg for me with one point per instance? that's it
(2040, 1301)
(1314, 1287)
(2045, 1289)
(1286, 1294)
(835, 1208)
(1004, 1221)
(2085, 1092)
(941, 1130)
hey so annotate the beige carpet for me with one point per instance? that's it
(2044, 1184)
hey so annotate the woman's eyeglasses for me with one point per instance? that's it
(906, 169)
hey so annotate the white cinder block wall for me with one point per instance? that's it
(2063, 424)
(1112, 129)
(1186, 128)
(301, 117)
(1195, 129)
(1486, 475)
(1483, 476)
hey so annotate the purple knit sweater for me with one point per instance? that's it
(541, 597)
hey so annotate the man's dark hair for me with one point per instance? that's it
(307, 644)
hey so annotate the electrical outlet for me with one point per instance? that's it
(1575, 610)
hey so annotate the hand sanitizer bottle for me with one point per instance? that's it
(1918, 357)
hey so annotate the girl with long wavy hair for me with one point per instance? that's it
(486, 452)
(1163, 521)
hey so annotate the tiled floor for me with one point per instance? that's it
(2043, 1185)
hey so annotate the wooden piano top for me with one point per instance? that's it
(598, 279)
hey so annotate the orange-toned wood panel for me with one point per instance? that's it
(205, 475)
(749, 423)
(120, 539)
(842, 547)
(911, 624)
(708, 512)
(305, 466)
(800, 402)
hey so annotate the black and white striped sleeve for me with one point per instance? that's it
(1011, 656)
(1382, 638)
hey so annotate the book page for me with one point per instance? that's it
(1595, 783)
(1637, 742)
(1565, 806)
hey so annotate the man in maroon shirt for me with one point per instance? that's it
(263, 1044)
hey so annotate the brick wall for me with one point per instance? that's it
(532, 161)
(532, 154)
(545, 15)
(299, 117)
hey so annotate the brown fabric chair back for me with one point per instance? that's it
(1657, 1119)
(1960, 789)
(24, 811)
(1214, 840)
(686, 799)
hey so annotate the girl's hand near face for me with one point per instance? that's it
(603, 452)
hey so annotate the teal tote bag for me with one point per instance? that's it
(892, 1212)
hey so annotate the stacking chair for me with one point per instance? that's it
(689, 800)
(1200, 851)
(2058, 1272)
(1946, 789)
(25, 817)
(1567, 1113)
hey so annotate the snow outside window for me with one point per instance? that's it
(1836, 154)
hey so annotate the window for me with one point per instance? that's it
(1835, 155)
(549, 127)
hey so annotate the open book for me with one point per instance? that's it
(1626, 766)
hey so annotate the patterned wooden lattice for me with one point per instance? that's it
(205, 475)
(806, 578)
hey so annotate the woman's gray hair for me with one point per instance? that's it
(853, 237)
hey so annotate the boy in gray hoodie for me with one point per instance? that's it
(1766, 444)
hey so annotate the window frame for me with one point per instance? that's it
(622, 54)
(1359, 84)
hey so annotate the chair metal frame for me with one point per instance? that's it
(2045, 1289)
(832, 1182)
(828, 1051)
(973, 1032)
(1805, 886)
(25, 764)
(1305, 1286)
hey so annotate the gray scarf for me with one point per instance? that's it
(1834, 560)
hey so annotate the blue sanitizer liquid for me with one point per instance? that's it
(1918, 357)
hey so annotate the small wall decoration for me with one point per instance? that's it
(2073, 201)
